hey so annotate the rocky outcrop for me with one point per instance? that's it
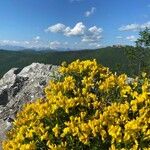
(20, 86)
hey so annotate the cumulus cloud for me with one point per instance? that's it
(90, 12)
(131, 38)
(59, 27)
(91, 34)
(77, 30)
(134, 27)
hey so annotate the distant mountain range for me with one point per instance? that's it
(20, 48)
(11, 47)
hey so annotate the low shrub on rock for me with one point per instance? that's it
(86, 108)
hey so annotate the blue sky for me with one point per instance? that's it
(74, 24)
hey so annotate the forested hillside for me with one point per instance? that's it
(111, 57)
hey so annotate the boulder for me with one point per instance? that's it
(20, 86)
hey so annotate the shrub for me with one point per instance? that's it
(87, 108)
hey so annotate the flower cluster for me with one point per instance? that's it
(88, 107)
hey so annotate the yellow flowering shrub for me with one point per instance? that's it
(86, 108)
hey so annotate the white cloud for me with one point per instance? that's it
(12, 42)
(90, 12)
(54, 44)
(58, 45)
(24, 43)
(27, 42)
(131, 38)
(59, 27)
(134, 27)
(15, 42)
(147, 24)
(95, 45)
(5, 41)
(37, 38)
(119, 37)
(94, 29)
(79, 29)
(91, 34)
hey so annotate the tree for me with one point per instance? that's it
(144, 40)
(137, 56)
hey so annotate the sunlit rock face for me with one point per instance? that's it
(20, 86)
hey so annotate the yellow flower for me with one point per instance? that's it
(115, 132)
(113, 147)
(56, 130)
(86, 102)
(84, 138)
(65, 131)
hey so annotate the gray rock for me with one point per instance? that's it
(6, 83)
(18, 87)
(9, 78)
